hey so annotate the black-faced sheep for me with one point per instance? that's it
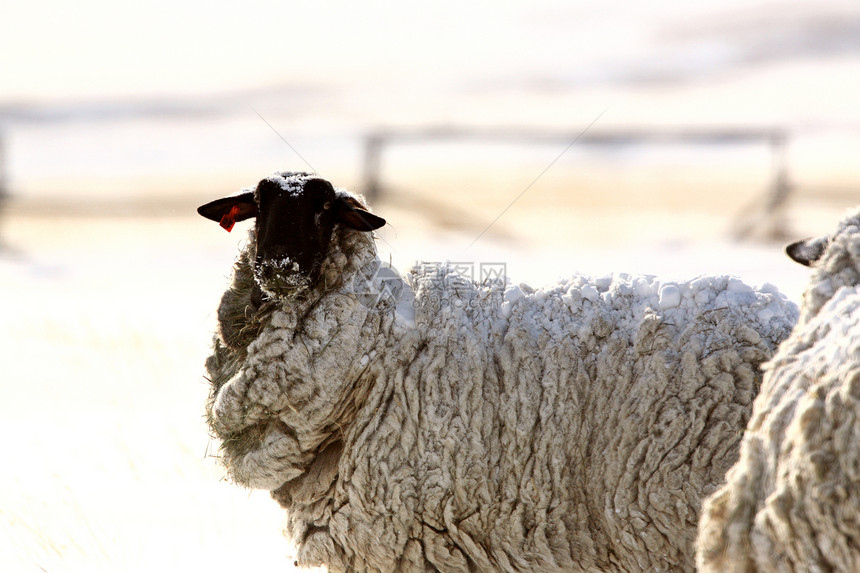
(474, 427)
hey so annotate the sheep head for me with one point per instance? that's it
(835, 262)
(296, 216)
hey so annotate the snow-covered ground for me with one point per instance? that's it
(108, 465)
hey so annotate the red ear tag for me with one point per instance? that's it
(229, 219)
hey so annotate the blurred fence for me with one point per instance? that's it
(768, 209)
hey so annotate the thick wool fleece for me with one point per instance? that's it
(792, 502)
(483, 429)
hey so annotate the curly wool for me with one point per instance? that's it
(792, 502)
(266, 343)
(479, 428)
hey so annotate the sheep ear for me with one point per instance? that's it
(355, 216)
(807, 251)
(228, 210)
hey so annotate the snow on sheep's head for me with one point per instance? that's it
(296, 217)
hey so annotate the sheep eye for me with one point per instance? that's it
(327, 205)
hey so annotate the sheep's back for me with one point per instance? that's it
(634, 392)
(576, 427)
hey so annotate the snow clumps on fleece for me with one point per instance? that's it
(792, 502)
(490, 427)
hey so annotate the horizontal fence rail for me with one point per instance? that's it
(776, 139)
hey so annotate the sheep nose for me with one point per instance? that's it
(273, 268)
(281, 278)
(266, 271)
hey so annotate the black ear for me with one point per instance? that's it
(228, 210)
(807, 251)
(355, 216)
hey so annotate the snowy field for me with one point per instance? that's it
(105, 326)
(108, 463)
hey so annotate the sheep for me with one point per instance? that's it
(792, 501)
(474, 427)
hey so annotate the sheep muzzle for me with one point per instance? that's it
(281, 278)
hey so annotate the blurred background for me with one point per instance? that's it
(669, 138)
